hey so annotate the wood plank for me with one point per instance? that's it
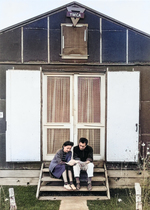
(13, 205)
(100, 170)
(49, 179)
(71, 197)
(95, 170)
(39, 182)
(19, 181)
(46, 170)
(97, 164)
(35, 173)
(19, 173)
(124, 182)
(61, 188)
(127, 173)
(138, 196)
(107, 184)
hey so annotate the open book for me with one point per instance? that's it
(72, 162)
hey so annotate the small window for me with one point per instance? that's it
(74, 41)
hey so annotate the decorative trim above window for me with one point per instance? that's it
(74, 41)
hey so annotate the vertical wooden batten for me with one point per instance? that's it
(127, 49)
(100, 40)
(41, 111)
(48, 39)
(21, 44)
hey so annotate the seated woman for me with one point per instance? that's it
(58, 167)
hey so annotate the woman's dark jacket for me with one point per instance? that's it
(58, 159)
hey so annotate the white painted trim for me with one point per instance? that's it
(100, 40)
(127, 44)
(22, 45)
(48, 39)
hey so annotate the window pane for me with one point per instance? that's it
(93, 136)
(89, 99)
(58, 99)
(56, 138)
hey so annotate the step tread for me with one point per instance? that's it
(73, 197)
(61, 188)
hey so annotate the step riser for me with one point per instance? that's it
(94, 179)
(100, 170)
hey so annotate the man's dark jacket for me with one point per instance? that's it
(83, 155)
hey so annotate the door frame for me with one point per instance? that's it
(101, 125)
(74, 112)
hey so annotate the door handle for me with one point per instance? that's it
(136, 127)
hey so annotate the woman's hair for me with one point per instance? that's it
(68, 143)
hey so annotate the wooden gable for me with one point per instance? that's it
(39, 40)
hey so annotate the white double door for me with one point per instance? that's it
(73, 107)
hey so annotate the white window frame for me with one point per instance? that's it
(101, 125)
(73, 56)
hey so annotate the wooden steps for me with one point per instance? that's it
(52, 189)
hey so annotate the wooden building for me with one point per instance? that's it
(68, 73)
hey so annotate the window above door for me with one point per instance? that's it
(74, 41)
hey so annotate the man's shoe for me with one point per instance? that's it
(89, 187)
(78, 186)
(67, 187)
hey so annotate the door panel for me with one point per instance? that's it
(90, 112)
(23, 116)
(123, 116)
(57, 115)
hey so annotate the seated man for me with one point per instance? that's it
(83, 153)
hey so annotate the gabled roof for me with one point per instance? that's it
(64, 7)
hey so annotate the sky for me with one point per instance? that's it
(135, 13)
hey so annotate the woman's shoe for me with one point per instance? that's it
(73, 187)
(67, 187)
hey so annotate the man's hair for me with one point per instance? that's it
(83, 140)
